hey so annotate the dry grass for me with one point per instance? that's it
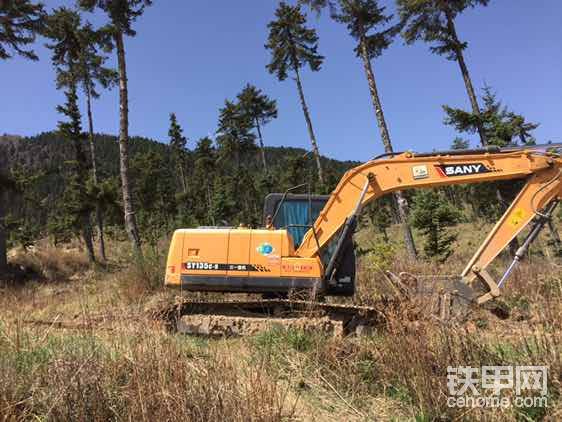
(406, 367)
(84, 376)
(120, 365)
(51, 263)
(109, 361)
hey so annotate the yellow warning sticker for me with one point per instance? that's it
(517, 217)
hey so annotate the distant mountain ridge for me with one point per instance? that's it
(44, 162)
(49, 148)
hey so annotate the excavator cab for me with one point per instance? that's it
(296, 213)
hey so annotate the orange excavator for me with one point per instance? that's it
(307, 243)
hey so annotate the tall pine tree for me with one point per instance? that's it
(292, 47)
(63, 30)
(90, 71)
(93, 72)
(178, 143)
(368, 24)
(433, 21)
(122, 14)
(203, 176)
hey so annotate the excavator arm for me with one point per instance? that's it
(535, 202)
(542, 171)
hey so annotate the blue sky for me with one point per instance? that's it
(188, 57)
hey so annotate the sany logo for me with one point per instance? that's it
(461, 169)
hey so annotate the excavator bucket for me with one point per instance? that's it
(445, 297)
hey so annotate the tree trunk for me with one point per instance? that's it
(406, 229)
(469, 87)
(3, 247)
(81, 167)
(210, 215)
(99, 221)
(309, 126)
(182, 174)
(466, 77)
(87, 235)
(385, 137)
(130, 220)
(99, 216)
(262, 148)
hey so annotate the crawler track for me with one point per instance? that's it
(237, 318)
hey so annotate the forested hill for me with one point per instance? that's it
(212, 189)
(50, 149)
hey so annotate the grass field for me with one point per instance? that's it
(81, 345)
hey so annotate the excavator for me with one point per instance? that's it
(307, 242)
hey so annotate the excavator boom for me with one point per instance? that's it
(413, 171)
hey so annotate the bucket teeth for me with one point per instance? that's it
(444, 297)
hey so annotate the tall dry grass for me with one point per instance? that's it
(147, 376)
(407, 366)
(406, 362)
(51, 263)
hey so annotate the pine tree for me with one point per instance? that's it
(380, 214)
(500, 126)
(6, 184)
(234, 134)
(295, 171)
(107, 194)
(260, 109)
(203, 176)
(294, 46)
(433, 21)
(522, 129)
(223, 202)
(368, 24)
(154, 193)
(433, 215)
(93, 72)
(122, 14)
(23, 187)
(459, 143)
(20, 21)
(61, 224)
(178, 143)
(63, 29)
